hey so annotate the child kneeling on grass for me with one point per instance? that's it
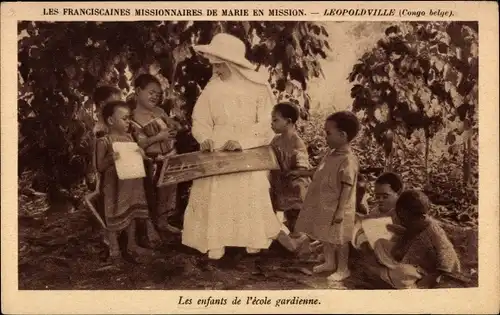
(388, 186)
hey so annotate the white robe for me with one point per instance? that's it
(234, 209)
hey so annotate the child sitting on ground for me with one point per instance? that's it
(388, 186)
(423, 252)
(124, 200)
(329, 207)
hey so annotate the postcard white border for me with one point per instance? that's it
(483, 299)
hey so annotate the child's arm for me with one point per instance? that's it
(345, 193)
(302, 172)
(171, 123)
(347, 172)
(104, 161)
(447, 263)
(143, 141)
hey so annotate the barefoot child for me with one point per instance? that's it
(388, 186)
(288, 191)
(155, 133)
(124, 200)
(329, 208)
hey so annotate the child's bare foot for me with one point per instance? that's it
(299, 243)
(315, 246)
(115, 258)
(154, 238)
(339, 276)
(155, 242)
(163, 225)
(323, 268)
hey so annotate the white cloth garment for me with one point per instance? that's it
(234, 209)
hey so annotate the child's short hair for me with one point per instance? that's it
(391, 179)
(414, 202)
(102, 93)
(109, 109)
(144, 80)
(288, 111)
(346, 122)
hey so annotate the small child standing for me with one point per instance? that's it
(155, 132)
(329, 208)
(288, 191)
(124, 200)
(102, 95)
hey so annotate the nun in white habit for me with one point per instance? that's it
(232, 113)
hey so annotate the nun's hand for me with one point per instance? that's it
(207, 146)
(232, 145)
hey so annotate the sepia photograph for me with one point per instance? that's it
(247, 155)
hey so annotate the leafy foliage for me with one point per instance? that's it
(420, 76)
(60, 65)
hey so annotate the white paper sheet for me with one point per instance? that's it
(376, 229)
(130, 164)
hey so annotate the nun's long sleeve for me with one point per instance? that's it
(203, 124)
(260, 134)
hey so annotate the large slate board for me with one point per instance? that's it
(186, 167)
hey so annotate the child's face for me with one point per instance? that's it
(386, 197)
(150, 96)
(120, 120)
(279, 123)
(404, 216)
(334, 137)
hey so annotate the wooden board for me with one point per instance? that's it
(186, 167)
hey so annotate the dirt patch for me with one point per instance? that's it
(62, 250)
